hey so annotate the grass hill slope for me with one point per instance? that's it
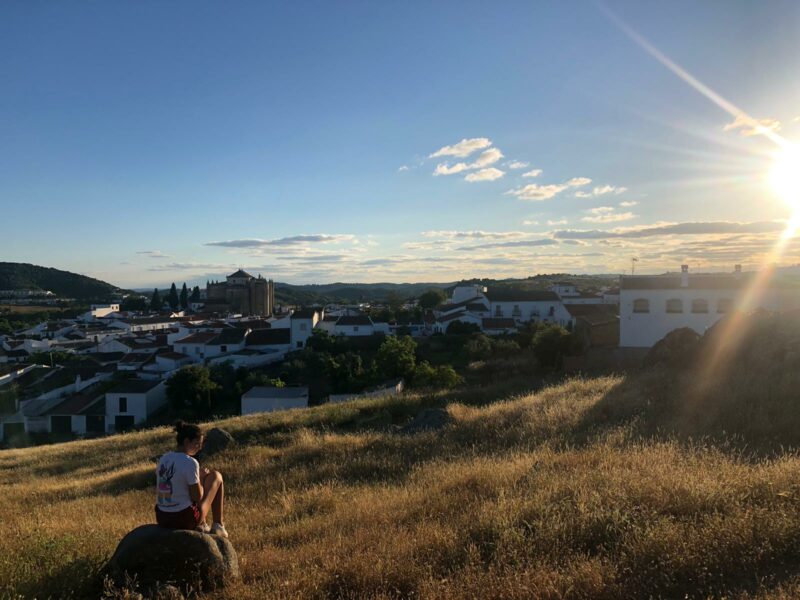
(18, 276)
(571, 491)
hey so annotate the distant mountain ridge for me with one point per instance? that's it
(21, 276)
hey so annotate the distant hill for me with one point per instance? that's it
(376, 292)
(19, 276)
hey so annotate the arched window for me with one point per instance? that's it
(723, 305)
(699, 305)
(674, 305)
(641, 305)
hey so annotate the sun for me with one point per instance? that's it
(785, 175)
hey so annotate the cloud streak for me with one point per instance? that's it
(463, 148)
(320, 238)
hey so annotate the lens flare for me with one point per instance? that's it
(785, 175)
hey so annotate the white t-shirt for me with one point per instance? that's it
(175, 473)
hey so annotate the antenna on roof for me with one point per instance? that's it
(634, 260)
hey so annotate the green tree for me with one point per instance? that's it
(443, 376)
(396, 357)
(550, 345)
(195, 297)
(132, 302)
(184, 298)
(191, 388)
(173, 299)
(394, 301)
(432, 298)
(156, 302)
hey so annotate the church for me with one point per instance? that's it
(241, 293)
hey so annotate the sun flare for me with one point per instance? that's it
(785, 175)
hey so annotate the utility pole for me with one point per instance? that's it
(634, 260)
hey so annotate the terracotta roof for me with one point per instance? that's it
(304, 313)
(76, 404)
(201, 337)
(498, 323)
(356, 320)
(458, 315)
(135, 386)
(477, 307)
(269, 337)
(173, 355)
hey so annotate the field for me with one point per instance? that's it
(570, 492)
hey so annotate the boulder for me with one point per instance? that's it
(154, 556)
(216, 441)
(429, 419)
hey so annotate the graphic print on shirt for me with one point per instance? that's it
(164, 495)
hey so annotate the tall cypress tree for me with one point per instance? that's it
(173, 299)
(195, 294)
(155, 301)
(184, 297)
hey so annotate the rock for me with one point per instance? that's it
(430, 419)
(155, 555)
(216, 441)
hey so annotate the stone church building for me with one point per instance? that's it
(241, 293)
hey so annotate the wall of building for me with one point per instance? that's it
(257, 405)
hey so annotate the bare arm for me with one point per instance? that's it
(196, 492)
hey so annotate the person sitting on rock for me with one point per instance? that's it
(185, 492)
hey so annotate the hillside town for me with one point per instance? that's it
(122, 360)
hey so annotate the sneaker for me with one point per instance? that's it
(219, 529)
(203, 528)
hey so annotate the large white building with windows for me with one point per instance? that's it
(652, 306)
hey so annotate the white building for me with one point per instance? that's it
(269, 399)
(652, 306)
(132, 402)
(302, 325)
(355, 326)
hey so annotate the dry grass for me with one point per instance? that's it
(558, 494)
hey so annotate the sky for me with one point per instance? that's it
(310, 142)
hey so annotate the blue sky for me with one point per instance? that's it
(150, 142)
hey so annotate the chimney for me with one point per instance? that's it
(684, 275)
(737, 271)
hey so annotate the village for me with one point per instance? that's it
(121, 360)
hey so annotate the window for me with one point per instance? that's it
(674, 305)
(699, 305)
(551, 312)
(516, 312)
(123, 405)
(355, 328)
(223, 348)
(724, 305)
(641, 305)
(498, 311)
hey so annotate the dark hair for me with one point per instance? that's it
(187, 431)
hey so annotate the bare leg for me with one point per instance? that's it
(213, 496)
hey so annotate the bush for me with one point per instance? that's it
(396, 357)
(550, 345)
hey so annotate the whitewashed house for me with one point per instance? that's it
(355, 326)
(132, 402)
(652, 306)
(279, 340)
(302, 325)
(270, 399)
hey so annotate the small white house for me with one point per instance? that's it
(132, 402)
(270, 399)
(302, 325)
(356, 326)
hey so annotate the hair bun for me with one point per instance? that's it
(179, 424)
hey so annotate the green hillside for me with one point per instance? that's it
(675, 482)
(17, 276)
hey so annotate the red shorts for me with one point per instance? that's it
(188, 518)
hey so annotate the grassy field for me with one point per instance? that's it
(604, 488)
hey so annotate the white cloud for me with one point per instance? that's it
(284, 241)
(628, 203)
(530, 222)
(748, 126)
(463, 148)
(601, 191)
(153, 253)
(535, 192)
(484, 159)
(403, 168)
(476, 234)
(517, 164)
(532, 173)
(445, 169)
(489, 174)
(560, 222)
